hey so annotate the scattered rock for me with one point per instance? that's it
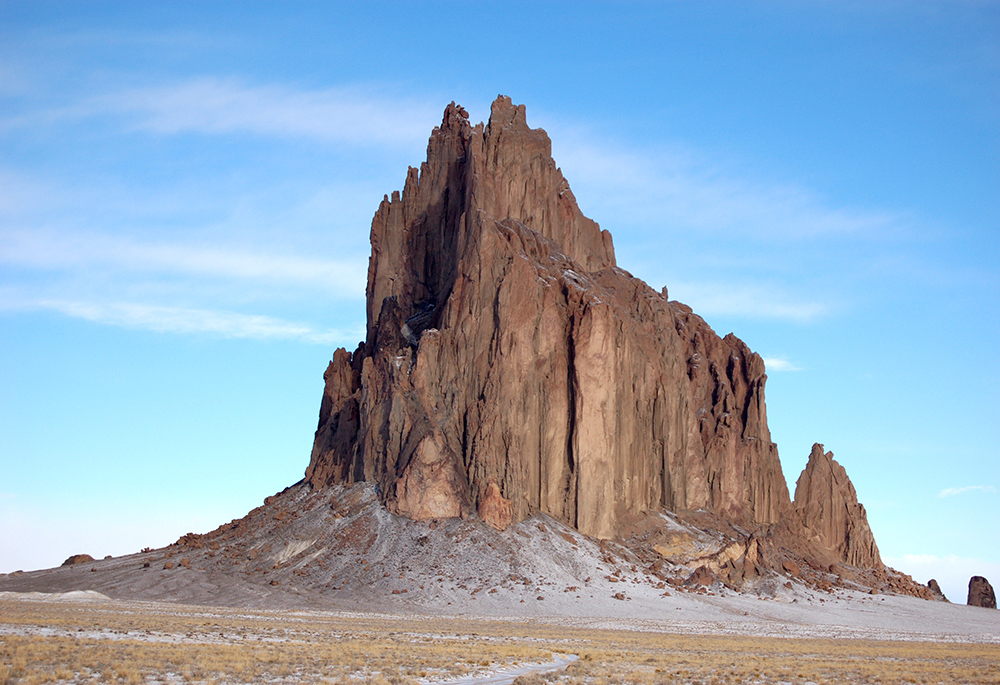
(700, 576)
(791, 567)
(78, 559)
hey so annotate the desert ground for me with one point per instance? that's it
(330, 588)
(85, 637)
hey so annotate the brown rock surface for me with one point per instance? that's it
(509, 360)
(935, 589)
(829, 514)
(78, 559)
(981, 593)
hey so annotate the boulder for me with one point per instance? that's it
(78, 559)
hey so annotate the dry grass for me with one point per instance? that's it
(122, 642)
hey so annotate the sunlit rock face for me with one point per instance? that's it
(829, 513)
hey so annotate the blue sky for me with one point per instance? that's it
(186, 192)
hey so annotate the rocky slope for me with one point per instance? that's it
(339, 549)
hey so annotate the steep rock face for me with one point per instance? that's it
(829, 514)
(510, 367)
(981, 593)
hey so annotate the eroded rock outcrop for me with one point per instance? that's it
(936, 590)
(510, 363)
(981, 593)
(829, 514)
(510, 367)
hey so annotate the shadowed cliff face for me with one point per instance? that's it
(511, 367)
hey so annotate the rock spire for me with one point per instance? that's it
(829, 513)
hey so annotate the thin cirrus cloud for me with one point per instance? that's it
(951, 492)
(683, 190)
(82, 272)
(165, 319)
(89, 252)
(651, 187)
(750, 301)
(780, 364)
(224, 106)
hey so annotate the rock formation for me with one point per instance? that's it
(511, 371)
(510, 363)
(510, 367)
(935, 589)
(981, 593)
(829, 513)
(78, 559)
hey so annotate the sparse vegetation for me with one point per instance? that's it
(131, 643)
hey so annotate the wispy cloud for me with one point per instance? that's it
(951, 492)
(678, 189)
(779, 364)
(91, 251)
(186, 321)
(229, 106)
(748, 301)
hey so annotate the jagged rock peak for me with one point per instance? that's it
(504, 171)
(511, 368)
(829, 513)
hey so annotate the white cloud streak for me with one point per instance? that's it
(747, 301)
(214, 106)
(779, 364)
(951, 492)
(341, 279)
(181, 320)
(676, 191)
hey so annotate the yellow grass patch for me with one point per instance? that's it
(125, 642)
